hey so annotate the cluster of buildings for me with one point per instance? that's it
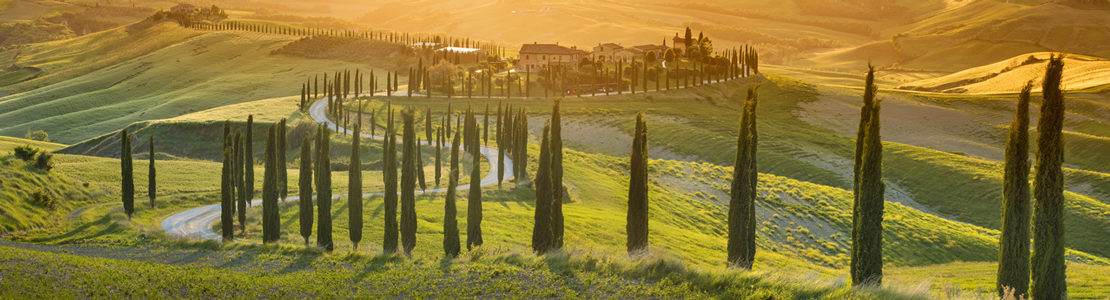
(538, 56)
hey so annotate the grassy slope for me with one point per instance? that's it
(224, 68)
(20, 179)
(1007, 76)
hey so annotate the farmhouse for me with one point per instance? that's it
(679, 42)
(604, 52)
(183, 8)
(537, 56)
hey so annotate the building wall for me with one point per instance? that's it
(539, 61)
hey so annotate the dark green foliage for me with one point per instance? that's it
(128, 186)
(439, 144)
(27, 152)
(241, 165)
(151, 175)
(248, 160)
(420, 165)
(474, 204)
(485, 126)
(637, 218)
(541, 231)
(270, 189)
(44, 161)
(500, 146)
(428, 125)
(451, 243)
(556, 170)
(323, 189)
(867, 237)
(1013, 243)
(389, 177)
(354, 189)
(226, 218)
(306, 189)
(745, 176)
(43, 198)
(408, 182)
(1048, 190)
(236, 170)
(281, 162)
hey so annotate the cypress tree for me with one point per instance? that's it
(1013, 243)
(389, 177)
(354, 189)
(270, 189)
(637, 220)
(1048, 190)
(439, 143)
(236, 175)
(485, 126)
(226, 220)
(500, 147)
(306, 189)
(541, 231)
(408, 183)
(281, 162)
(474, 202)
(741, 242)
(128, 187)
(861, 135)
(428, 125)
(151, 178)
(451, 243)
(242, 166)
(420, 165)
(867, 259)
(556, 171)
(248, 163)
(323, 189)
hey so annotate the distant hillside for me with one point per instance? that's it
(1008, 76)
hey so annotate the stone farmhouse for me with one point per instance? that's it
(538, 56)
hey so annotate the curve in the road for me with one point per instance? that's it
(197, 223)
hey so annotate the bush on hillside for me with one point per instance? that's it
(45, 161)
(37, 136)
(26, 152)
(32, 32)
(42, 198)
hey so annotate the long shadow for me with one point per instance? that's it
(106, 219)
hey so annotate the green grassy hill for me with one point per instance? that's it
(1009, 75)
(31, 197)
(202, 71)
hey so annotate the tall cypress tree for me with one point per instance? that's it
(241, 165)
(861, 134)
(270, 189)
(451, 243)
(323, 188)
(541, 231)
(248, 152)
(408, 182)
(420, 165)
(1048, 190)
(428, 125)
(474, 202)
(500, 146)
(354, 190)
(128, 186)
(637, 219)
(741, 222)
(306, 189)
(556, 171)
(439, 144)
(1013, 243)
(226, 220)
(151, 178)
(389, 177)
(867, 256)
(281, 163)
(485, 126)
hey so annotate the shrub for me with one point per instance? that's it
(37, 136)
(42, 198)
(26, 152)
(45, 161)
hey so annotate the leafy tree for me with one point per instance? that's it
(451, 242)
(354, 189)
(649, 57)
(128, 185)
(541, 231)
(408, 182)
(1013, 243)
(151, 177)
(669, 56)
(1048, 190)
(305, 189)
(867, 259)
(323, 189)
(637, 219)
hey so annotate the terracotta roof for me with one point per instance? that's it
(545, 49)
(650, 47)
(611, 45)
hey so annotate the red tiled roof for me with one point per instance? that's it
(545, 49)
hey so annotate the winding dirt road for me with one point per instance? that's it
(197, 223)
